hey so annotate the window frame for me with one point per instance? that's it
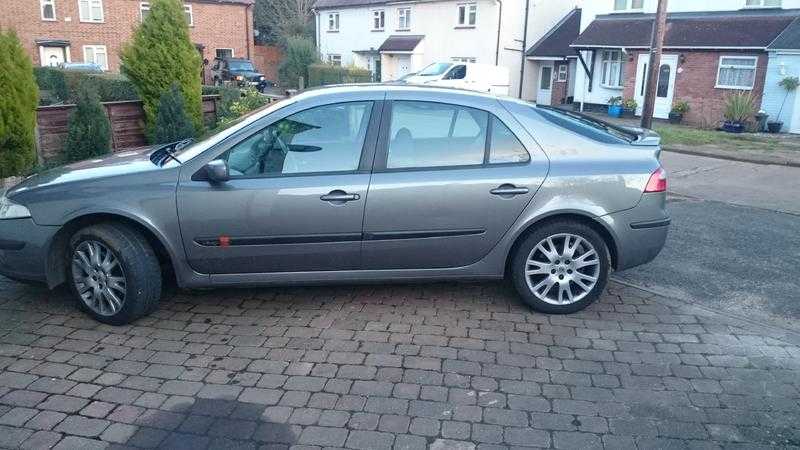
(52, 3)
(382, 150)
(404, 13)
(469, 8)
(331, 57)
(94, 48)
(762, 4)
(334, 22)
(216, 52)
(720, 66)
(89, 19)
(145, 6)
(559, 72)
(610, 61)
(628, 7)
(379, 15)
(366, 156)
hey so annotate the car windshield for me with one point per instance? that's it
(241, 65)
(434, 69)
(576, 121)
(223, 131)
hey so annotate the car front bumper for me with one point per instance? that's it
(23, 248)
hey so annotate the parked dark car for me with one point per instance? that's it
(238, 71)
(81, 67)
(350, 184)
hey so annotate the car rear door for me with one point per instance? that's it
(450, 177)
(295, 199)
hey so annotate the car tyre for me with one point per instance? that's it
(121, 253)
(542, 271)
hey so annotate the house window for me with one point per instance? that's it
(224, 53)
(628, 5)
(463, 59)
(562, 72)
(736, 72)
(378, 19)
(335, 60)
(90, 10)
(333, 22)
(404, 19)
(144, 10)
(96, 54)
(612, 69)
(466, 14)
(48, 9)
(762, 3)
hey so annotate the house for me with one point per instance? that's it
(393, 39)
(784, 61)
(57, 31)
(712, 49)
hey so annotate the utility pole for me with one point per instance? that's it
(656, 45)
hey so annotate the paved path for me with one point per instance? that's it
(405, 367)
(730, 247)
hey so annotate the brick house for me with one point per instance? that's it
(57, 31)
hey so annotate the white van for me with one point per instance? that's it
(472, 76)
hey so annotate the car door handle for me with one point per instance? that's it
(339, 196)
(509, 190)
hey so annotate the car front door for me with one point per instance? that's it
(449, 180)
(296, 194)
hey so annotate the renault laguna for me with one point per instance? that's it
(369, 183)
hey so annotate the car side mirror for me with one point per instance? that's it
(217, 171)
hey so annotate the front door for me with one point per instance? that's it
(441, 196)
(403, 66)
(52, 56)
(295, 198)
(665, 87)
(545, 84)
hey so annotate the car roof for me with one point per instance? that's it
(389, 87)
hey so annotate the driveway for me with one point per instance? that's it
(407, 366)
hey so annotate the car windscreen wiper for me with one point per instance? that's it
(167, 151)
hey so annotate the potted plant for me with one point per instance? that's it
(629, 106)
(678, 110)
(739, 108)
(789, 84)
(615, 106)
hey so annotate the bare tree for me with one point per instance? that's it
(276, 20)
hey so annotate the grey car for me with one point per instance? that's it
(368, 183)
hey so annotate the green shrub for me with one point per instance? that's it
(172, 123)
(61, 86)
(161, 54)
(52, 83)
(325, 74)
(739, 107)
(112, 87)
(300, 53)
(19, 97)
(680, 107)
(249, 100)
(89, 131)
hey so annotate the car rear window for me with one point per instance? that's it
(587, 126)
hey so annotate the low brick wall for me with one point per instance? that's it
(126, 118)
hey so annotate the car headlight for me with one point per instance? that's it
(11, 210)
(260, 78)
(239, 78)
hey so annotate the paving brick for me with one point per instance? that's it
(41, 439)
(82, 426)
(323, 436)
(369, 440)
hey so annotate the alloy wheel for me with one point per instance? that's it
(98, 277)
(562, 269)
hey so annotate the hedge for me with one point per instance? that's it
(324, 74)
(61, 86)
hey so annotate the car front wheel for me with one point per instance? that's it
(114, 273)
(561, 267)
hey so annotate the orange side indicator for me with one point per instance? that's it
(224, 241)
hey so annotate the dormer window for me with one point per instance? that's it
(628, 5)
(762, 3)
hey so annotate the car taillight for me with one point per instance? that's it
(657, 181)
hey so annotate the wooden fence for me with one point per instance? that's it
(126, 119)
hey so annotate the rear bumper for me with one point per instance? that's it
(23, 247)
(640, 232)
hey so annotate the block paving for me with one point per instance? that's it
(440, 366)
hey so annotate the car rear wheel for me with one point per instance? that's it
(114, 273)
(561, 267)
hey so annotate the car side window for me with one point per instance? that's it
(427, 134)
(323, 139)
(504, 146)
(456, 73)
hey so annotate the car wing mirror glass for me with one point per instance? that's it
(217, 171)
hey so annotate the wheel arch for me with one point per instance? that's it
(586, 219)
(55, 263)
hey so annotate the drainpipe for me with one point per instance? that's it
(524, 49)
(247, 31)
(499, 24)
